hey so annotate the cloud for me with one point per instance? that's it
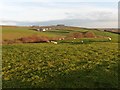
(33, 13)
(73, 0)
(8, 23)
(60, 1)
(69, 22)
(104, 16)
(93, 13)
(63, 11)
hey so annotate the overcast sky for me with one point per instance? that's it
(85, 13)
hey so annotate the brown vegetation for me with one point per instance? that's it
(89, 35)
(40, 39)
(81, 35)
(31, 39)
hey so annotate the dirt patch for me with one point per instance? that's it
(81, 35)
(89, 35)
(31, 39)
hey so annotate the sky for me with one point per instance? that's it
(82, 13)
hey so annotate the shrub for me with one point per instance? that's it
(81, 35)
(34, 39)
(75, 35)
(89, 35)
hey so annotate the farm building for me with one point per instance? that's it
(45, 28)
(60, 25)
(41, 29)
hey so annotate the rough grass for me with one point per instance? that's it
(108, 34)
(10, 33)
(18, 32)
(64, 65)
(70, 64)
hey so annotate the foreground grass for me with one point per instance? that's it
(64, 65)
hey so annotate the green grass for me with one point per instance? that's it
(64, 65)
(66, 32)
(13, 33)
(10, 33)
(0, 67)
(69, 64)
(108, 34)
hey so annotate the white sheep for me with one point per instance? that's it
(60, 39)
(38, 29)
(82, 41)
(47, 41)
(54, 42)
(63, 38)
(109, 38)
(74, 38)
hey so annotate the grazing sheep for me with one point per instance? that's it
(109, 38)
(38, 29)
(82, 41)
(54, 42)
(60, 39)
(63, 38)
(47, 41)
(74, 38)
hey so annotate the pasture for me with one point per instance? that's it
(68, 64)
(9, 33)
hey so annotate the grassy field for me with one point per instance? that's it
(9, 33)
(69, 64)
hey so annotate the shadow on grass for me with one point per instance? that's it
(94, 78)
(84, 42)
(81, 78)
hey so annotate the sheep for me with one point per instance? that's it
(54, 42)
(63, 38)
(74, 38)
(109, 38)
(47, 41)
(82, 41)
(38, 29)
(60, 39)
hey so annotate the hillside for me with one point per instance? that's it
(82, 58)
(15, 32)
